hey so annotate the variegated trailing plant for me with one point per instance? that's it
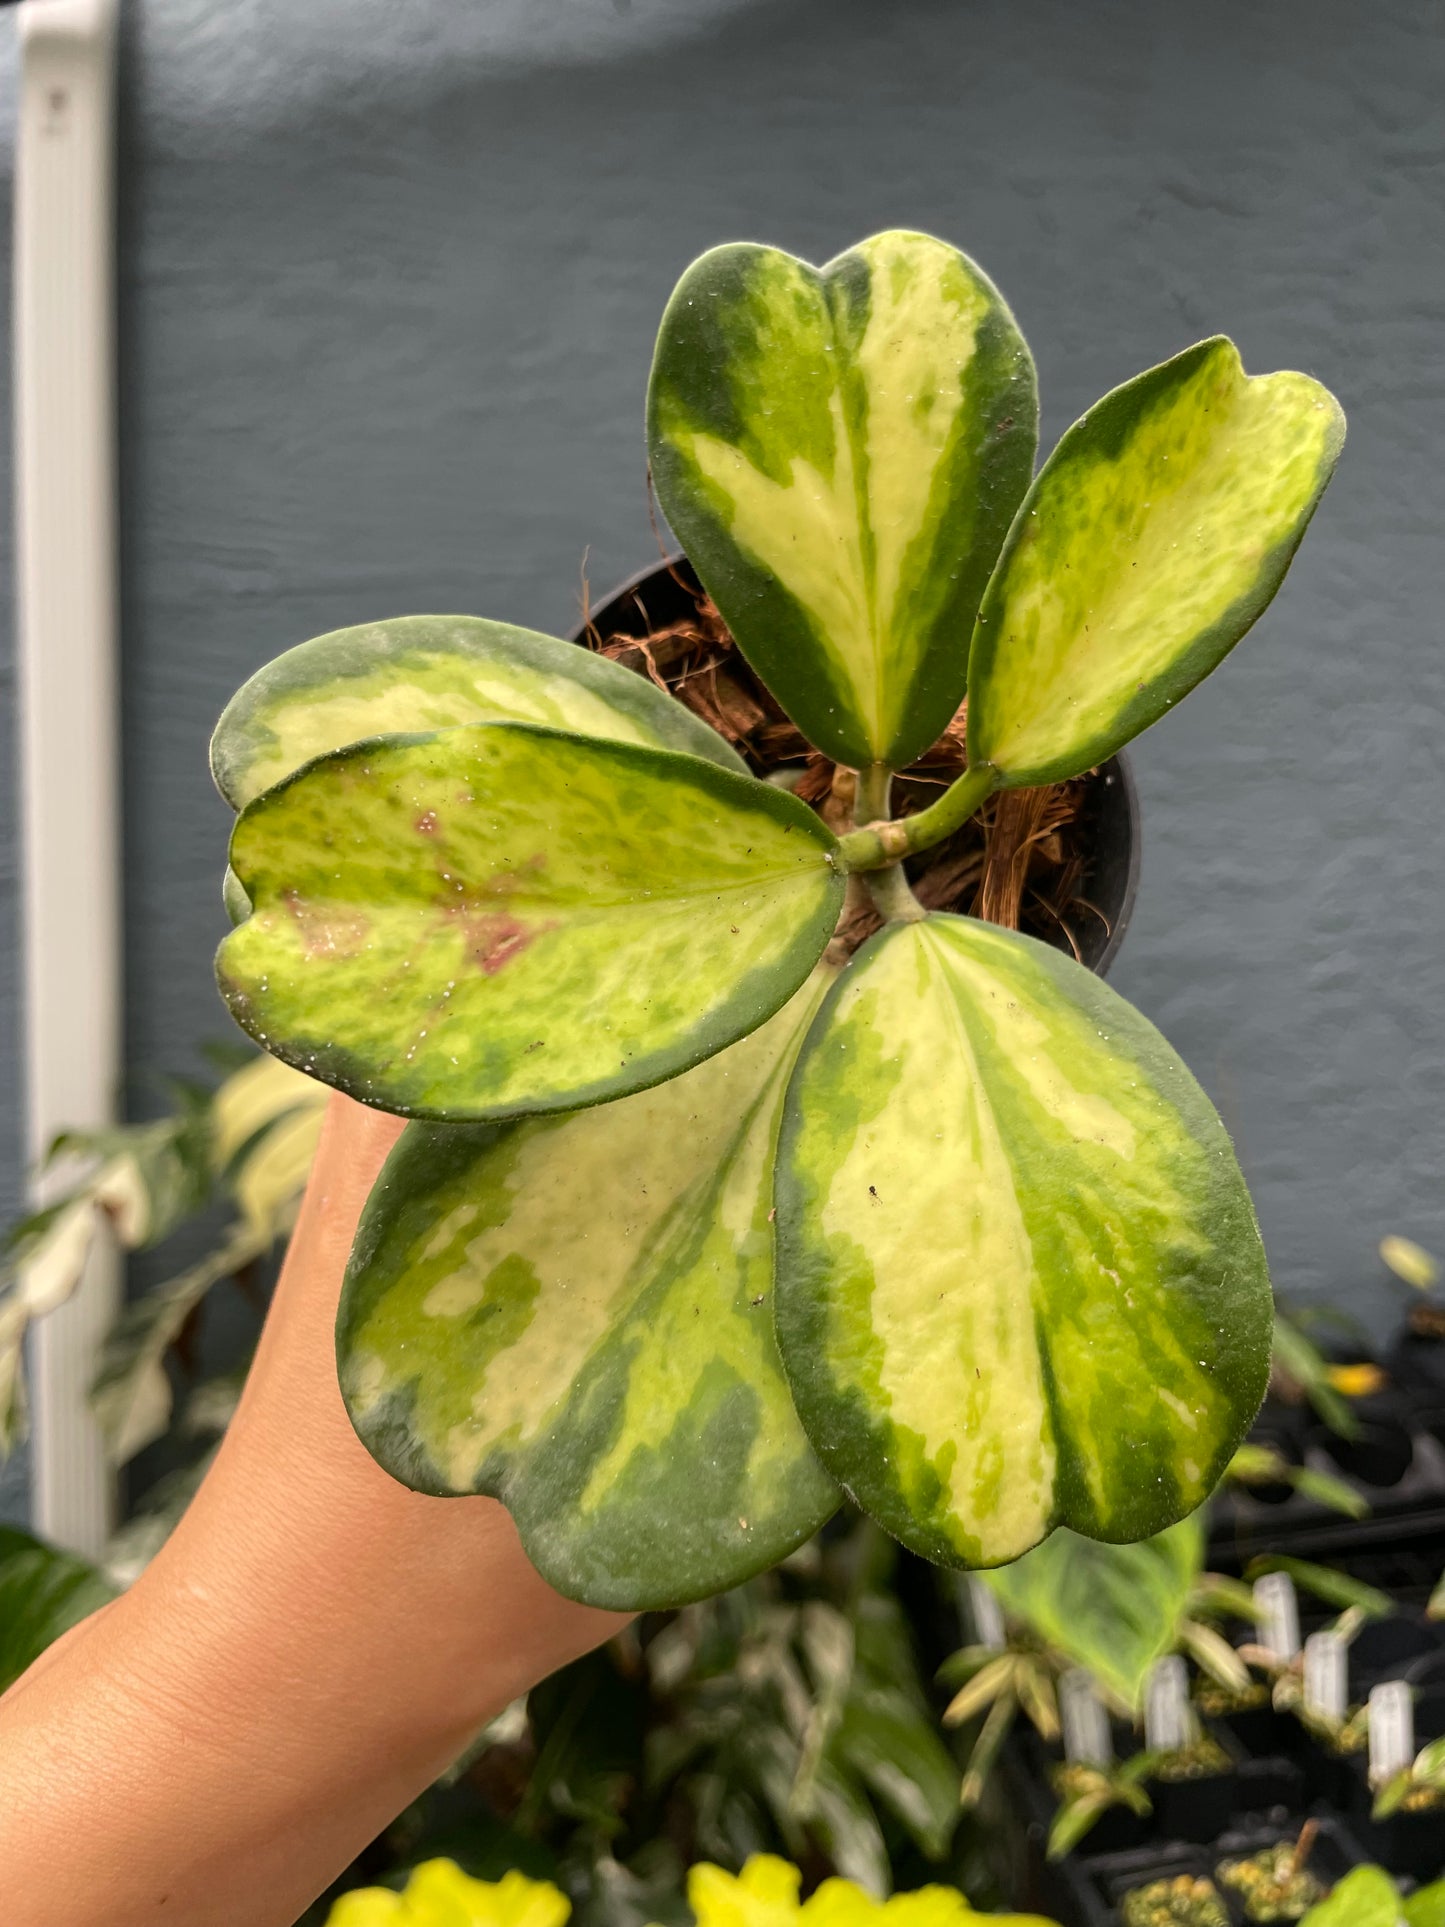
(696, 1221)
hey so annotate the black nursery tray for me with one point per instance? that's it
(1400, 1544)
(1268, 1805)
(1100, 1883)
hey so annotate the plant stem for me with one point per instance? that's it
(878, 842)
(892, 897)
(886, 883)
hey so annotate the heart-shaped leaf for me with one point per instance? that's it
(428, 673)
(502, 919)
(1020, 1282)
(1112, 1609)
(1156, 532)
(841, 452)
(575, 1314)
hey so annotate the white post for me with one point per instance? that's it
(65, 499)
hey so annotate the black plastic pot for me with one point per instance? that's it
(666, 591)
(1430, 1414)
(1095, 1890)
(1199, 1810)
(1329, 1775)
(1283, 1429)
(1271, 1783)
(1412, 1844)
(1378, 1456)
(1334, 1853)
(1262, 1732)
(1418, 1362)
(1388, 1648)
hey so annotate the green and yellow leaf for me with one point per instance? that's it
(500, 920)
(1157, 531)
(575, 1314)
(841, 451)
(1020, 1282)
(432, 672)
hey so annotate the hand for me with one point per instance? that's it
(311, 1647)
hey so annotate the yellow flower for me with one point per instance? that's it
(765, 1894)
(439, 1894)
(1356, 1381)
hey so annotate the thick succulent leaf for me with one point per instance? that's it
(1112, 1609)
(575, 1314)
(841, 452)
(1156, 532)
(1020, 1282)
(498, 920)
(431, 672)
(234, 901)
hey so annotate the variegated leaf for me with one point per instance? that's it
(575, 1314)
(1111, 1609)
(841, 452)
(1155, 534)
(1020, 1282)
(431, 672)
(498, 920)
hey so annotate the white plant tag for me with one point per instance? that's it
(1326, 1676)
(1392, 1730)
(986, 1613)
(1168, 1716)
(1277, 1618)
(1087, 1739)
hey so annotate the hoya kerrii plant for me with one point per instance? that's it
(696, 1221)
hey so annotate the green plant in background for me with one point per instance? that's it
(1185, 1900)
(245, 1145)
(43, 1593)
(1418, 1788)
(694, 1225)
(788, 1716)
(1086, 1793)
(1357, 1604)
(1114, 1611)
(1302, 1372)
(1275, 1883)
(1368, 1897)
(1256, 1465)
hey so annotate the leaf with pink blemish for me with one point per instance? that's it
(499, 920)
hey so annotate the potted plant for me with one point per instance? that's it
(1059, 862)
(1178, 1900)
(699, 1217)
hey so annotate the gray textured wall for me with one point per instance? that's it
(390, 278)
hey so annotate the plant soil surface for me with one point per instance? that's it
(1020, 862)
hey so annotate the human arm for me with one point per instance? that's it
(310, 1648)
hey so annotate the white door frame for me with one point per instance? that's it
(66, 578)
